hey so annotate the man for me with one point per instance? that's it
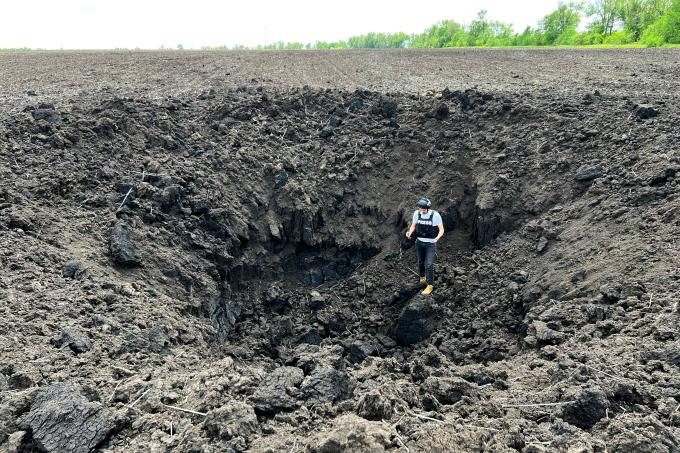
(427, 223)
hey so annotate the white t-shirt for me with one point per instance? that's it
(431, 213)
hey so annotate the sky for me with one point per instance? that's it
(150, 24)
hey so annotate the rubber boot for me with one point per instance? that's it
(422, 280)
(428, 289)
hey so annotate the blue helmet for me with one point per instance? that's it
(424, 203)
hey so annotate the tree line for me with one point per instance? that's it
(610, 22)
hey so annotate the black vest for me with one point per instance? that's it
(425, 228)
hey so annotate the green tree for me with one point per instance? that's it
(605, 13)
(666, 29)
(329, 45)
(632, 15)
(560, 25)
(484, 32)
(446, 33)
(529, 37)
(480, 32)
(637, 15)
(378, 40)
(502, 34)
(479, 29)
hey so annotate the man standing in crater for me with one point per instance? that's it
(427, 223)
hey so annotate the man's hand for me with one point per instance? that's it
(408, 234)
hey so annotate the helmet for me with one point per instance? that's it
(424, 203)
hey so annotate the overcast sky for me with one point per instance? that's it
(98, 24)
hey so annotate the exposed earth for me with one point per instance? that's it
(205, 251)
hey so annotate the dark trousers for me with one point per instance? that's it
(426, 251)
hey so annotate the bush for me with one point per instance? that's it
(665, 30)
(568, 38)
(619, 37)
(591, 38)
(529, 37)
(652, 38)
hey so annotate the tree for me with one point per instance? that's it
(666, 29)
(483, 32)
(637, 15)
(479, 30)
(529, 37)
(446, 33)
(329, 45)
(606, 13)
(561, 22)
(378, 40)
(632, 15)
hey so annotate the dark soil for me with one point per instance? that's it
(224, 266)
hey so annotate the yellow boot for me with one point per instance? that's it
(422, 280)
(428, 289)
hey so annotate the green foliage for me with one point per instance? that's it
(529, 37)
(480, 33)
(605, 14)
(560, 26)
(446, 33)
(666, 29)
(638, 15)
(329, 45)
(591, 38)
(618, 38)
(485, 33)
(378, 41)
(612, 23)
(568, 38)
(652, 38)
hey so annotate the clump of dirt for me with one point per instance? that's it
(230, 272)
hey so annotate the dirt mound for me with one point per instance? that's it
(229, 271)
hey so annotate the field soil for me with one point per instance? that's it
(205, 251)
